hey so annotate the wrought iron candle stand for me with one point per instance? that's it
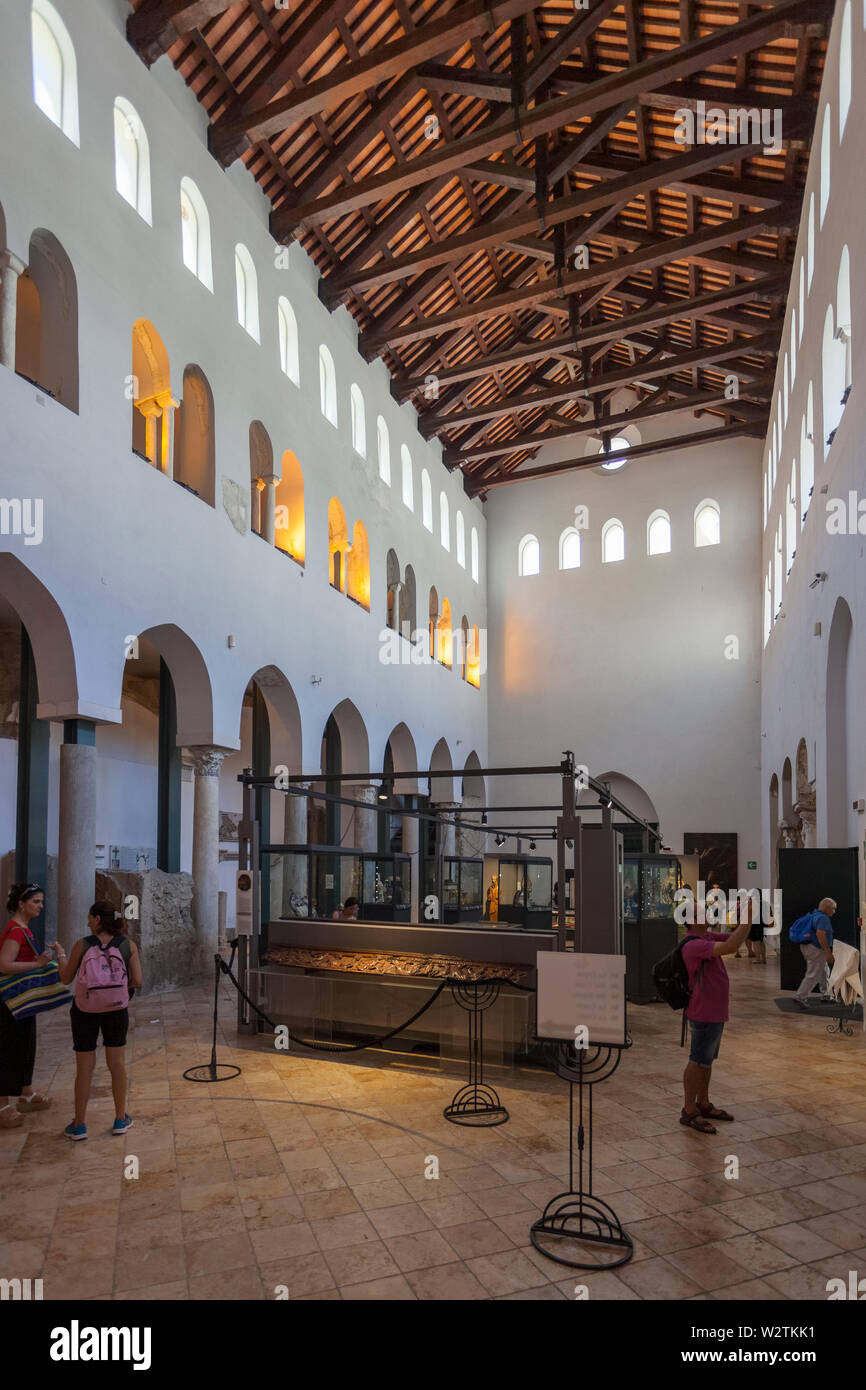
(476, 1104)
(577, 1214)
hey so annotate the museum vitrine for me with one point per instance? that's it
(525, 891)
(316, 880)
(649, 885)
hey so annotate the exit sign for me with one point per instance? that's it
(752, 864)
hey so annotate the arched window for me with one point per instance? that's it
(612, 541)
(358, 567)
(287, 326)
(793, 347)
(768, 607)
(658, 534)
(843, 315)
(460, 539)
(528, 556)
(826, 141)
(426, 500)
(408, 489)
(833, 359)
(802, 297)
(46, 337)
(569, 549)
(408, 613)
(55, 71)
(195, 233)
(131, 158)
(810, 242)
(445, 639)
(778, 572)
(359, 422)
(384, 450)
(845, 68)
(392, 581)
(444, 522)
(473, 541)
(246, 282)
(472, 661)
(338, 545)
(261, 468)
(708, 523)
(784, 393)
(290, 526)
(327, 385)
(433, 623)
(807, 453)
(614, 459)
(194, 442)
(152, 401)
(791, 519)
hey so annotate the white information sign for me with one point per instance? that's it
(583, 991)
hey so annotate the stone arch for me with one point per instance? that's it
(471, 841)
(261, 467)
(441, 788)
(473, 782)
(404, 758)
(285, 716)
(290, 524)
(358, 567)
(354, 738)
(151, 394)
(392, 583)
(338, 544)
(787, 789)
(195, 444)
(626, 790)
(839, 716)
(49, 636)
(408, 604)
(804, 806)
(774, 832)
(192, 683)
(46, 350)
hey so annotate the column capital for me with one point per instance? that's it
(9, 261)
(207, 760)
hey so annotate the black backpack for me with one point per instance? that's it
(671, 979)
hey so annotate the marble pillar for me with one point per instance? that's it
(76, 857)
(207, 762)
(295, 832)
(10, 269)
(410, 847)
(268, 507)
(448, 811)
(366, 821)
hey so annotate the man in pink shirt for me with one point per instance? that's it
(707, 1012)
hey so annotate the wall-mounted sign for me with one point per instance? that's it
(581, 991)
(752, 864)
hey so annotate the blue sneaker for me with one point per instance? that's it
(121, 1126)
(75, 1131)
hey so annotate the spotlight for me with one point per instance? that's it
(570, 844)
(532, 844)
(500, 840)
(483, 817)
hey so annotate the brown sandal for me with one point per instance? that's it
(698, 1122)
(710, 1112)
(34, 1102)
(9, 1119)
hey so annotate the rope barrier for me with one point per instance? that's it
(368, 1042)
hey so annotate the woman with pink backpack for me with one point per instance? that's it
(108, 970)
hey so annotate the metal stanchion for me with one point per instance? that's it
(214, 1070)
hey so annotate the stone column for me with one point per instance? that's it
(256, 505)
(295, 832)
(207, 762)
(10, 269)
(76, 859)
(366, 826)
(268, 506)
(410, 847)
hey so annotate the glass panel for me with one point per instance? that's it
(539, 884)
(189, 233)
(659, 887)
(125, 158)
(512, 882)
(471, 876)
(450, 883)
(47, 71)
(630, 889)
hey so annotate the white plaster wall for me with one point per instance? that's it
(794, 666)
(124, 548)
(624, 663)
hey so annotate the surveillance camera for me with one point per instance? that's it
(819, 579)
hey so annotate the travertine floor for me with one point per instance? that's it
(310, 1173)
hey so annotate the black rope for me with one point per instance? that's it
(369, 1042)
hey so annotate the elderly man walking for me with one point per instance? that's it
(817, 951)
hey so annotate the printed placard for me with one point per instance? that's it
(581, 990)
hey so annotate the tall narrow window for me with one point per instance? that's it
(791, 518)
(826, 143)
(708, 523)
(408, 486)
(569, 549)
(810, 242)
(844, 68)
(359, 427)
(444, 522)
(612, 541)
(460, 539)
(473, 541)
(131, 158)
(802, 297)
(843, 315)
(384, 451)
(833, 360)
(287, 327)
(528, 556)
(777, 559)
(55, 71)
(426, 500)
(327, 385)
(793, 347)
(807, 453)
(768, 608)
(246, 282)
(195, 233)
(658, 534)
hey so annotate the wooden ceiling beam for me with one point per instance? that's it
(467, 82)
(157, 24)
(571, 36)
(694, 439)
(776, 21)
(666, 250)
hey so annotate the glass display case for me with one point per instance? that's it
(316, 880)
(458, 894)
(649, 885)
(526, 892)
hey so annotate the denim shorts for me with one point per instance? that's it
(706, 1041)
